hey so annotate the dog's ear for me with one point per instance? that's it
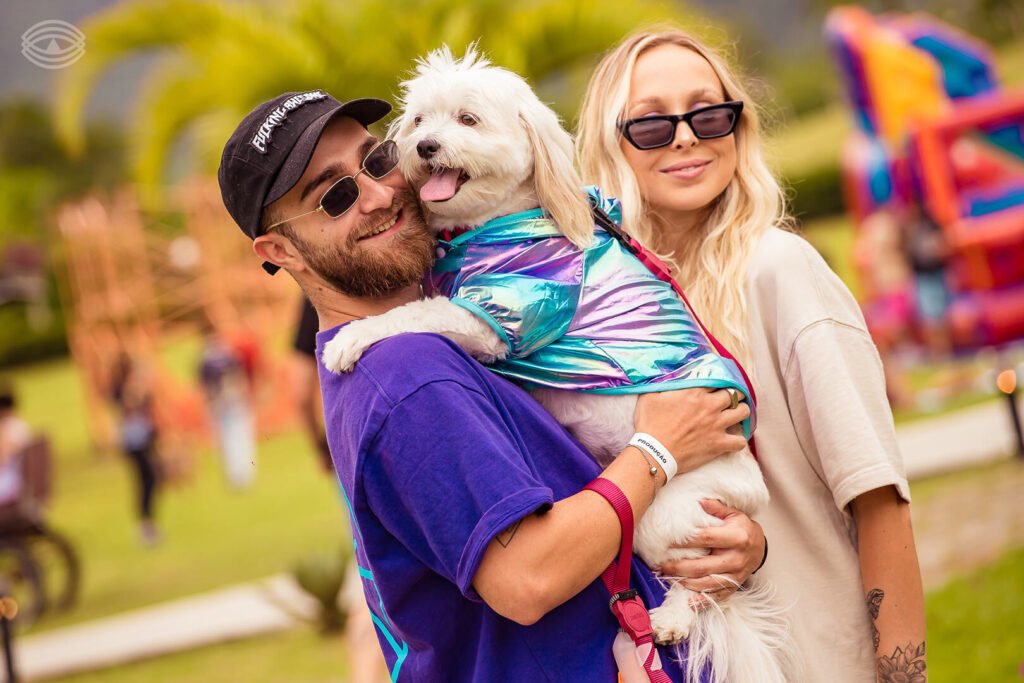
(558, 185)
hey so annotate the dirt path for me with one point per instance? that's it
(967, 519)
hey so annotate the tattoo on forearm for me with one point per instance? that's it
(874, 599)
(506, 536)
(906, 665)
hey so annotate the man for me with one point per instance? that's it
(479, 549)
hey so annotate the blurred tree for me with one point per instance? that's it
(221, 59)
(36, 172)
(35, 175)
(995, 21)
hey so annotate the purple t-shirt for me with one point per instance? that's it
(436, 456)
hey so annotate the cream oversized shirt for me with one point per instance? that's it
(825, 435)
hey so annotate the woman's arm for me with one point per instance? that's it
(892, 583)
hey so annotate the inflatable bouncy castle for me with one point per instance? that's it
(936, 134)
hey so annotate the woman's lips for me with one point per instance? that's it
(687, 170)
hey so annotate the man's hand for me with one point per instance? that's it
(696, 425)
(737, 548)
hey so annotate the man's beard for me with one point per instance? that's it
(359, 270)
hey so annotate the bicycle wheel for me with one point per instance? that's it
(58, 568)
(19, 579)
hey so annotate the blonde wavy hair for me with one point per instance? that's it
(712, 271)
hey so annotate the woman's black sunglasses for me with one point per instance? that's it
(342, 195)
(651, 132)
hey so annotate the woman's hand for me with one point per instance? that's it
(737, 549)
(696, 425)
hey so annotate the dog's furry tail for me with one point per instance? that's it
(744, 640)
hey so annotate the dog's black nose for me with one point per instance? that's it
(427, 148)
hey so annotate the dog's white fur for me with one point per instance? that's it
(518, 157)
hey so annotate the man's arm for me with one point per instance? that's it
(544, 560)
(892, 582)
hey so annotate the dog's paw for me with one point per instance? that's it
(670, 625)
(350, 343)
(488, 358)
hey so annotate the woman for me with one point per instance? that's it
(696, 190)
(131, 393)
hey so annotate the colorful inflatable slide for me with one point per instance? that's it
(936, 131)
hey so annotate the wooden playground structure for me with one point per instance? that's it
(131, 282)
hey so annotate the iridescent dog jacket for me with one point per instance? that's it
(595, 320)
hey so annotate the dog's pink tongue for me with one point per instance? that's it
(442, 185)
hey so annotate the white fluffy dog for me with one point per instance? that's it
(477, 144)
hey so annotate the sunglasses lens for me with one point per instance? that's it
(382, 160)
(651, 133)
(714, 123)
(340, 197)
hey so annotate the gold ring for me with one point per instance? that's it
(735, 396)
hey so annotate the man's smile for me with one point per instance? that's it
(388, 226)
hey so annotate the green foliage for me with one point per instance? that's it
(816, 193)
(322, 575)
(21, 343)
(36, 175)
(351, 49)
(34, 160)
(26, 196)
(803, 85)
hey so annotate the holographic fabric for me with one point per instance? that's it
(595, 320)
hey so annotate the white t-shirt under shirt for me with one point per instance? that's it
(825, 435)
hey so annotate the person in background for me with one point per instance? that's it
(15, 437)
(132, 395)
(886, 282)
(668, 129)
(226, 387)
(928, 253)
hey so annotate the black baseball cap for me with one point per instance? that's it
(271, 148)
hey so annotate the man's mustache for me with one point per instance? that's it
(404, 199)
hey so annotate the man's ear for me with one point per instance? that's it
(279, 250)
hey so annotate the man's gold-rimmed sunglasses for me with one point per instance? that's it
(343, 194)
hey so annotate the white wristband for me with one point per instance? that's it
(661, 455)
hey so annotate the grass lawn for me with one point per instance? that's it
(976, 625)
(213, 537)
(299, 656)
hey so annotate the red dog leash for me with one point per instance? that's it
(626, 604)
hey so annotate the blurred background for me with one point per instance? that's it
(165, 509)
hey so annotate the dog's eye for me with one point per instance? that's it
(417, 120)
(468, 119)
